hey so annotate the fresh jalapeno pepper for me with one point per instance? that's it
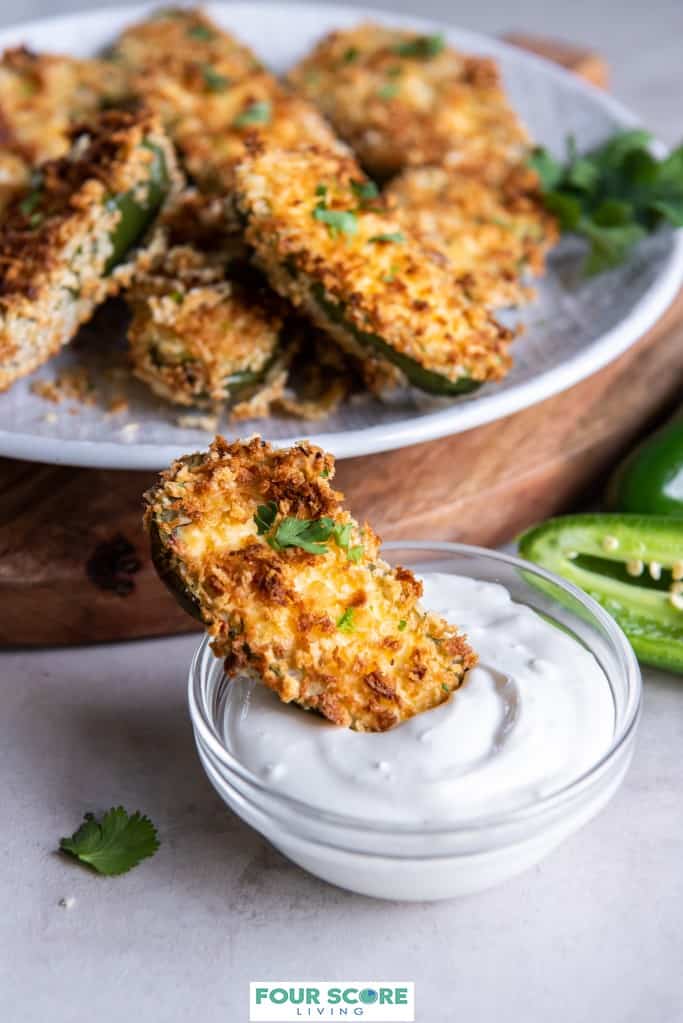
(650, 479)
(138, 207)
(631, 564)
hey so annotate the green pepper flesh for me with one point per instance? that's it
(593, 552)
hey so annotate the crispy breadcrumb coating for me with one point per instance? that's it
(213, 94)
(204, 328)
(328, 244)
(62, 241)
(493, 235)
(331, 627)
(400, 99)
(42, 96)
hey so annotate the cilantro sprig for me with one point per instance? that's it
(421, 47)
(613, 195)
(113, 845)
(258, 112)
(311, 535)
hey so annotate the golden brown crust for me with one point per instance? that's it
(55, 240)
(337, 631)
(41, 97)
(400, 99)
(387, 283)
(492, 234)
(213, 94)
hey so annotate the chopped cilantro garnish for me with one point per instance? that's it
(265, 517)
(308, 534)
(390, 236)
(325, 474)
(114, 844)
(177, 297)
(255, 113)
(613, 195)
(365, 190)
(202, 32)
(355, 554)
(445, 687)
(32, 199)
(342, 535)
(402, 624)
(421, 47)
(338, 221)
(321, 189)
(213, 80)
(350, 54)
(389, 90)
(345, 622)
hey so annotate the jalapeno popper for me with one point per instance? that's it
(206, 327)
(403, 99)
(255, 543)
(326, 242)
(61, 241)
(42, 96)
(212, 94)
(631, 564)
(495, 236)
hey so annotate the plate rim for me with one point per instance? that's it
(423, 427)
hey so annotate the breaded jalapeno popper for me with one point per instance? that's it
(402, 99)
(62, 240)
(326, 242)
(205, 326)
(495, 235)
(256, 544)
(212, 94)
(42, 96)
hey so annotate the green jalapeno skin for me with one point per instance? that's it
(138, 213)
(650, 480)
(425, 379)
(630, 564)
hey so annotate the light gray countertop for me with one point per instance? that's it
(593, 933)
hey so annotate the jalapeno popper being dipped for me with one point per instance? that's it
(326, 242)
(61, 242)
(256, 544)
(495, 236)
(402, 99)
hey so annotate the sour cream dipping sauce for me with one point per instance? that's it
(535, 713)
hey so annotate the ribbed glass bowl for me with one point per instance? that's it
(426, 862)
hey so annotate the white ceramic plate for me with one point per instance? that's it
(573, 329)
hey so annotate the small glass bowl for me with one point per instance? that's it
(422, 863)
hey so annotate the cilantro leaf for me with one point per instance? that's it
(265, 517)
(366, 191)
(355, 554)
(389, 236)
(389, 90)
(308, 534)
(345, 623)
(113, 845)
(613, 195)
(256, 113)
(338, 221)
(402, 624)
(422, 47)
(202, 32)
(213, 81)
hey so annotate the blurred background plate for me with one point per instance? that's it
(575, 327)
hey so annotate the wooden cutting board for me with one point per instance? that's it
(74, 563)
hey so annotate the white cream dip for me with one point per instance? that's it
(533, 715)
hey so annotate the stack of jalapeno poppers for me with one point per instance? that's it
(235, 213)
